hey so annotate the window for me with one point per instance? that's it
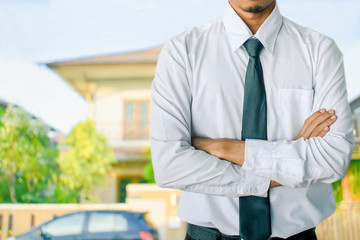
(67, 225)
(136, 119)
(107, 222)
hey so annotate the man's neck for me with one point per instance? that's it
(254, 20)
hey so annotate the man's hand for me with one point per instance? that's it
(317, 125)
(274, 184)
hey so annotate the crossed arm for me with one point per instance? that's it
(317, 125)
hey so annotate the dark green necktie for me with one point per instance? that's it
(254, 211)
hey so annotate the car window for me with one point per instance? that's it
(66, 225)
(107, 222)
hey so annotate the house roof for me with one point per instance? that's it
(143, 56)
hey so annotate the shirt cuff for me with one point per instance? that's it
(252, 184)
(255, 185)
(258, 157)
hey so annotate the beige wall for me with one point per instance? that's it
(107, 193)
(108, 108)
(173, 225)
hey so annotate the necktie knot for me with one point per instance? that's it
(253, 47)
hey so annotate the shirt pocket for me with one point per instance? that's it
(294, 107)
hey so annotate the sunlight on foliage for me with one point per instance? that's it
(27, 157)
(31, 169)
(354, 175)
(148, 170)
(85, 160)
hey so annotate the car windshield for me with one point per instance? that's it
(107, 222)
(65, 225)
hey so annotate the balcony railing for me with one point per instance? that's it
(119, 131)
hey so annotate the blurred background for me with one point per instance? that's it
(75, 81)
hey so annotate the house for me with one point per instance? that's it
(117, 88)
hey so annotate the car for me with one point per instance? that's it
(94, 225)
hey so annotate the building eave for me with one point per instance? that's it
(149, 55)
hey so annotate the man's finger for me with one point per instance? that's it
(328, 122)
(313, 116)
(324, 132)
(319, 119)
(308, 121)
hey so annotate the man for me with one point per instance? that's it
(200, 137)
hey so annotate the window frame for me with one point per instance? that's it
(137, 133)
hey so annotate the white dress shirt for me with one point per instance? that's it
(198, 92)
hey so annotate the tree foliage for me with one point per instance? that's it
(338, 191)
(354, 175)
(31, 170)
(86, 159)
(148, 170)
(27, 157)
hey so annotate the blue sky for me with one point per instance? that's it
(33, 31)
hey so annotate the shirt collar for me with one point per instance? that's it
(239, 31)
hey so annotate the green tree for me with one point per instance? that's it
(354, 174)
(148, 170)
(85, 160)
(2, 112)
(27, 157)
(338, 191)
